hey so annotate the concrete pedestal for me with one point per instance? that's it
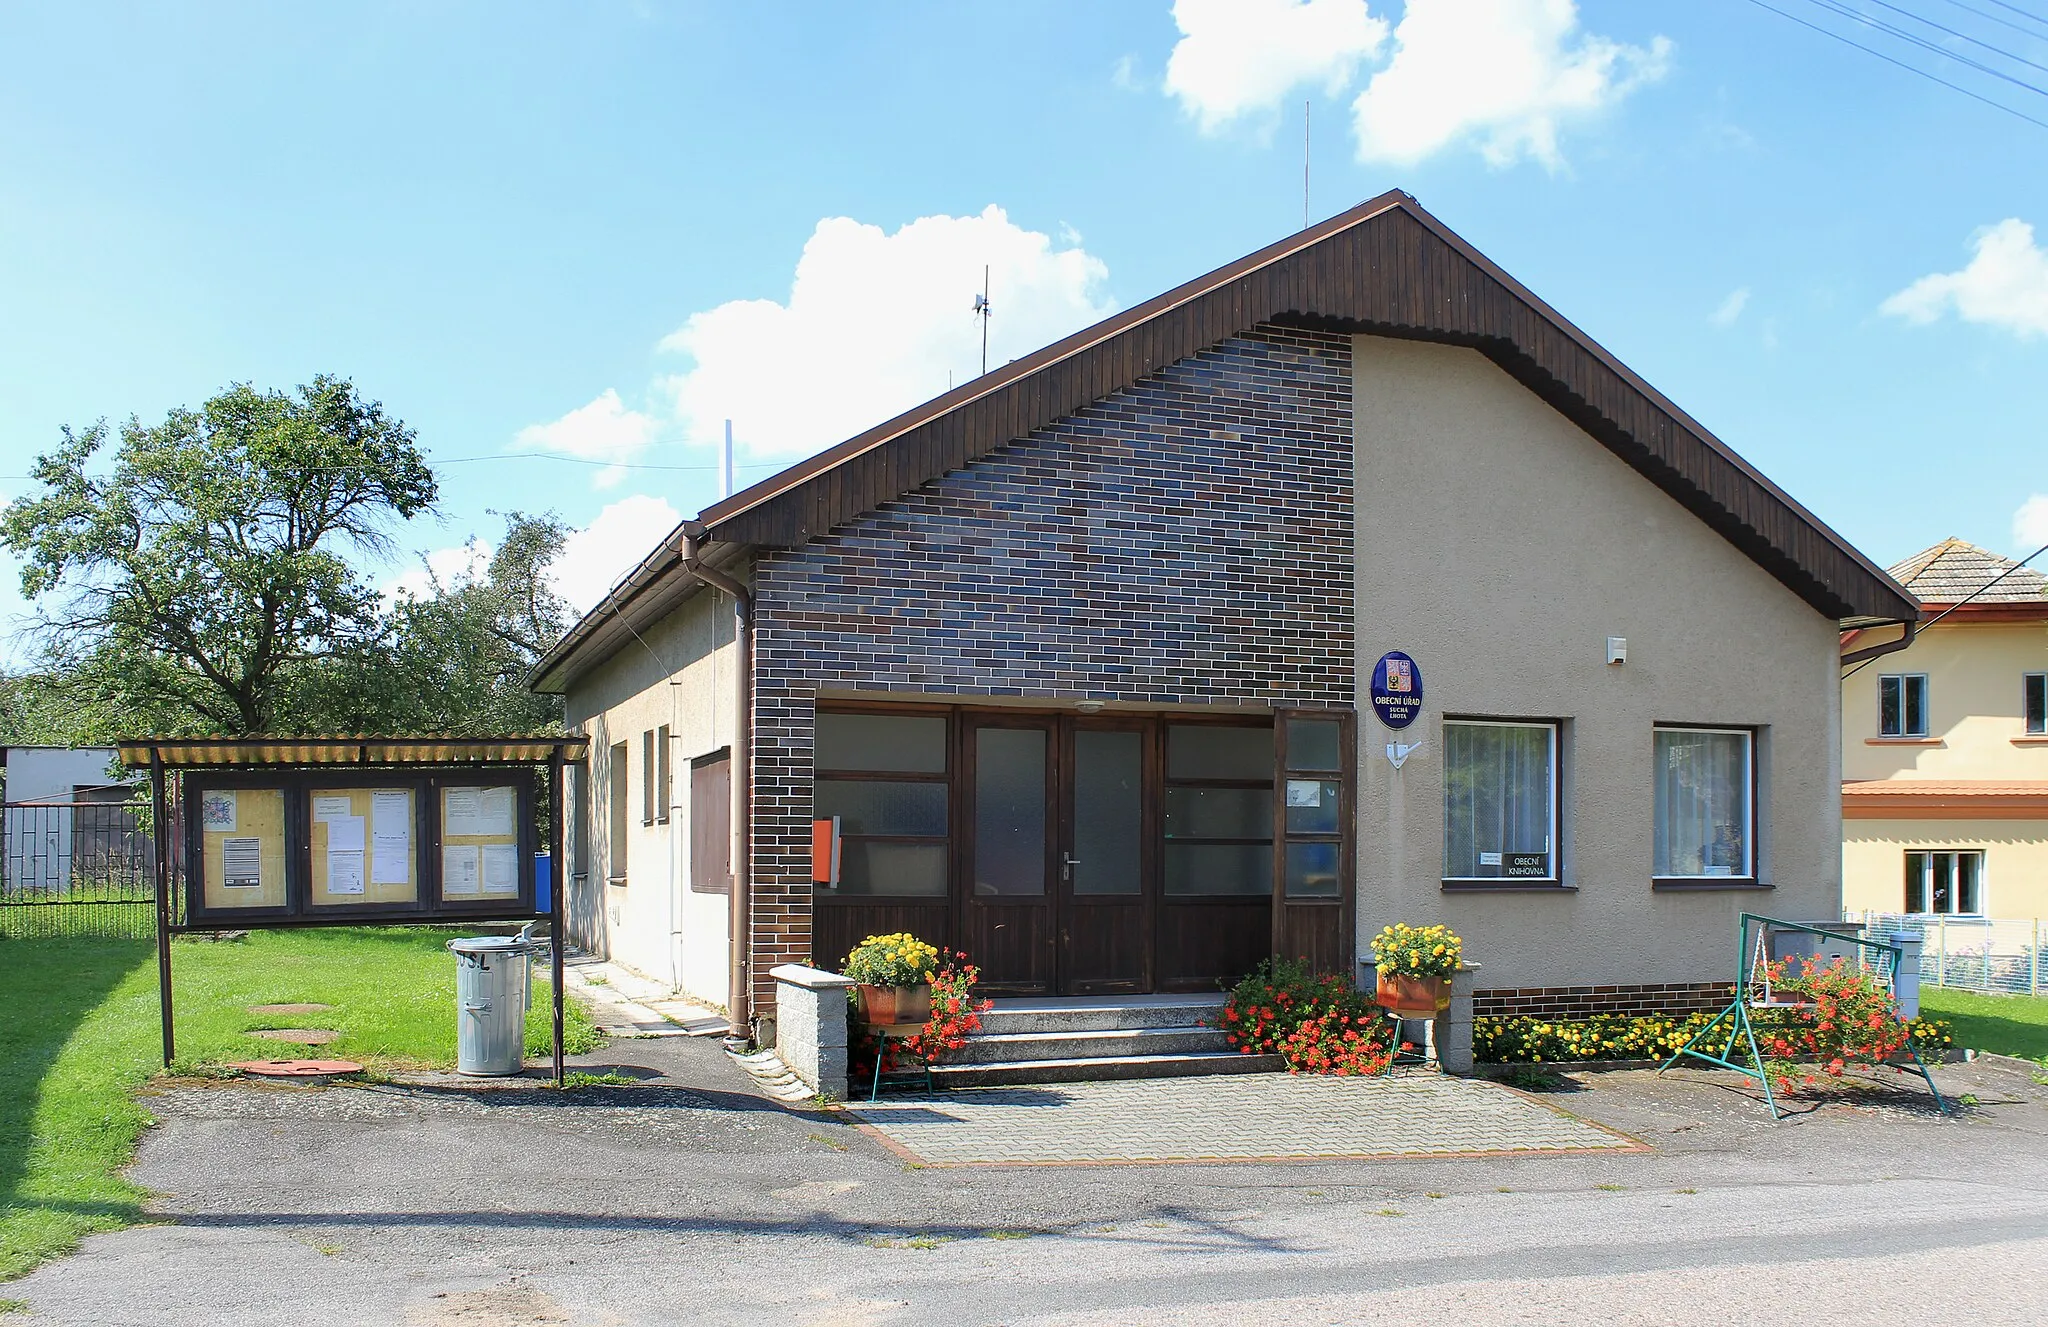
(810, 1026)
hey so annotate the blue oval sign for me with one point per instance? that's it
(1396, 689)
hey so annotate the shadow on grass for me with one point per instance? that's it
(53, 1108)
(2001, 1024)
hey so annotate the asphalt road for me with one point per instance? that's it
(706, 1203)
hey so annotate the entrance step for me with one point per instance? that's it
(1088, 1044)
(1080, 1038)
(1103, 1067)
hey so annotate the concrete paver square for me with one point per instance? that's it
(1227, 1118)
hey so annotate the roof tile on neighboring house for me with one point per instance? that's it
(1954, 569)
(1945, 799)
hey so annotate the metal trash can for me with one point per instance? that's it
(493, 989)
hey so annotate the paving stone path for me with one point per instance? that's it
(1263, 1115)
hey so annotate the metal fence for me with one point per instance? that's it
(77, 868)
(1995, 955)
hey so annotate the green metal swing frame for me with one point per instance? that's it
(1741, 1033)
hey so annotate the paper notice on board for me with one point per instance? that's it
(477, 813)
(217, 813)
(344, 871)
(497, 812)
(328, 808)
(241, 863)
(501, 869)
(390, 838)
(345, 834)
(461, 870)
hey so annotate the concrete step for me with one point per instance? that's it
(1101, 1015)
(1102, 1067)
(1087, 1043)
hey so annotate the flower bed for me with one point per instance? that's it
(1316, 1022)
(1651, 1038)
(956, 1015)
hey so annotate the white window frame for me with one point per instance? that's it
(1926, 705)
(1550, 840)
(2031, 682)
(1927, 879)
(1751, 812)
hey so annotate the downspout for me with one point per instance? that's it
(740, 976)
(1869, 652)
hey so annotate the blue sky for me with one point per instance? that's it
(535, 231)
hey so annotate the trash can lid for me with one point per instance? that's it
(494, 944)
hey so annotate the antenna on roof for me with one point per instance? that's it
(1304, 164)
(725, 464)
(981, 311)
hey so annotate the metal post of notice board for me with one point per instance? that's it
(159, 829)
(557, 879)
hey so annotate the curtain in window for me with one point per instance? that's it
(1496, 796)
(1702, 804)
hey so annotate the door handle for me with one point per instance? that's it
(1067, 868)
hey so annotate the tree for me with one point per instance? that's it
(457, 658)
(206, 567)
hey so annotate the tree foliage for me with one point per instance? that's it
(187, 585)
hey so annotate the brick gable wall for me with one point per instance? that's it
(1186, 540)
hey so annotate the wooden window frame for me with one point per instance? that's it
(1752, 879)
(949, 778)
(664, 775)
(1556, 878)
(618, 787)
(2034, 704)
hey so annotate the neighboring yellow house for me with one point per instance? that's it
(1945, 748)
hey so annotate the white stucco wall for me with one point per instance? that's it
(1500, 545)
(683, 674)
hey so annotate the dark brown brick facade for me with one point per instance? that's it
(1183, 541)
(1601, 1001)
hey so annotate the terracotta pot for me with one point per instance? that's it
(894, 1006)
(1414, 995)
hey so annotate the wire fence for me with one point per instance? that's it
(1994, 955)
(77, 868)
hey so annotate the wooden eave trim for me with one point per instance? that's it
(1984, 614)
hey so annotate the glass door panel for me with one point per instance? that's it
(1108, 856)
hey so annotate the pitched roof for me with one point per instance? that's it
(1955, 569)
(1385, 267)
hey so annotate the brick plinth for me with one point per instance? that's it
(1677, 998)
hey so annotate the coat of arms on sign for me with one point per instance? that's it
(1400, 675)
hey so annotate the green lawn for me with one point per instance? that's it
(79, 1034)
(2002, 1024)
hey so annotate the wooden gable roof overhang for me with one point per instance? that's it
(1385, 267)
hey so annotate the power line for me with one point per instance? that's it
(1936, 48)
(1963, 36)
(585, 460)
(1909, 68)
(2023, 13)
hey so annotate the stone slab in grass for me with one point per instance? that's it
(298, 1036)
(289, 1008)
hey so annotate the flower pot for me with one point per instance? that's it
(1415, 996)
(893, 1006)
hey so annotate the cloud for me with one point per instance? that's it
(594, 557)
(2030, 524)
(450, 566)
(1239, 58)
(2005, 284)
(1124, 76)
(1502, 74)
(875, 322)
(604, 430)
(1730, 308)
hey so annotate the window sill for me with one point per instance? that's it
(615, 880)
(2032, 739)
(1687, 884)
(1508, 887)
(1903, 741)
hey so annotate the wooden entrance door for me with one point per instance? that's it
(1008, 911)
(1107, 849)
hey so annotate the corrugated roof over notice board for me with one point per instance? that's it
(229, 752)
